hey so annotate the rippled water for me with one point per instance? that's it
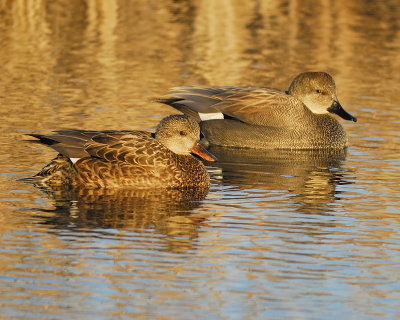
(280, 235)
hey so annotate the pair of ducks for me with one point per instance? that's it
(243, 117)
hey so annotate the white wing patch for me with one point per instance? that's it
(74, 159)
(211, 116)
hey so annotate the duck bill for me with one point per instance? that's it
(199, 150)
(338, 109)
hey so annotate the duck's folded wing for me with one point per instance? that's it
(253, 105)
(134, 147)
(70, 142)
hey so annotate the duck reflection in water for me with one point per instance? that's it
(169, 212)
(309, 177)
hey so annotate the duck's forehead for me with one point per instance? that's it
(194, 128)
(323, 80)
(190, 124)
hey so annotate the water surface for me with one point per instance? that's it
(292, 235)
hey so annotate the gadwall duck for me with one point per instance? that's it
(266, 118)
(112, 159)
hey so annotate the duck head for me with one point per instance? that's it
(317, 91)
(181, 135)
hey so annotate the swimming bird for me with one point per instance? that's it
(266, 118)
(113, 159)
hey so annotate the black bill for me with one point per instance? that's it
(338, 109)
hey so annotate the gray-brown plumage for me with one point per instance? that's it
(112, 159)
(266, 118)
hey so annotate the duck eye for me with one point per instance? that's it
(182, 133)
(318, 91)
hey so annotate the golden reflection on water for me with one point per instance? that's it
(78, 57)
(273, 228)
(164, 211)
(306, 174)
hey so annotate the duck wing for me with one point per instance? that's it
(133, 147)
(252, 105)
(71, 142)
